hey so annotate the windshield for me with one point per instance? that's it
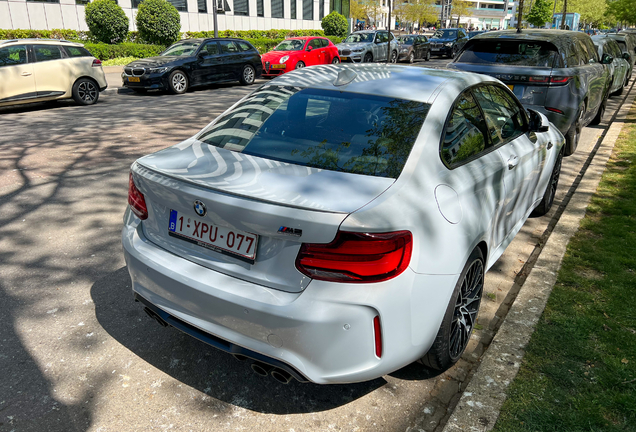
(445, 34)
(359, 38)
(181, 49)
(290, 45)
(326, 129)
(406, 40)
(509, 53)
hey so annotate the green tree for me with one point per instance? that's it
(540, 13)
(107, 21)
(158, 22)
(461, 8)
(335, 24)
(421, 11)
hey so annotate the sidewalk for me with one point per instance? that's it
(480, 404)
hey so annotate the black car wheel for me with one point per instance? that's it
(178, 82)
(411, 57)
(368, 58)
(460, 317)
(550, 192)
(428, 55)
(248, 76)
(573, 135)
(300, 65)
(335, 60)
(394, 56)
(453, 52)
(601, 111)
(85, 91)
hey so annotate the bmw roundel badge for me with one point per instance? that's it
(199, 207)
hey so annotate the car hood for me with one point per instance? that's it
(154, 61)
(266, 180)
(441, 40)
(352, 45)
(274, 56)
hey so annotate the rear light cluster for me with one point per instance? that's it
(97, 63)
(535, 79)
(136, 200)
(357, 257)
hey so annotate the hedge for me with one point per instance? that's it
(128, 49)
(133, 36)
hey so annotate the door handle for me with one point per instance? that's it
(26, 74)
(512, 162)
(550, 145)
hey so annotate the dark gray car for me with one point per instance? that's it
(367, 46)
(619, 66)
(627, 47)
(555, 72)
(414, 47)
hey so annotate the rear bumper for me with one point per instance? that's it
(324, 333)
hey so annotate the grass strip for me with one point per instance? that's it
(579, 371)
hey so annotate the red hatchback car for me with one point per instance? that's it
(298, 52)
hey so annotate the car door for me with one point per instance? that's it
(380, 46)
(476, 169)
(232, 59)
(16, 74)
(594, 77)
(327, 53)
(523, 155)
(209, 64)
(315, 55)
(620, 68)
(426, 45)
(53, 77)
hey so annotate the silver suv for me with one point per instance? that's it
(368, 46)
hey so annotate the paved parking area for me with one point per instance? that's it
(77, 353)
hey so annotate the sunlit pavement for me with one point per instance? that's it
(77, 353)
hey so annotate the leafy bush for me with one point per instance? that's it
(107, 21)
(158, 22)
(128, 49)
(335, 24)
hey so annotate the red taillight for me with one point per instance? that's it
(539, 79)
(357, 257)
(377, 332)
(560, 79)
(97, 63)
(556, 110)
(136, 200)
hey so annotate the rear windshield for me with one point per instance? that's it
(326, 129)
(510, 53)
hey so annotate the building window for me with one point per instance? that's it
(293, 9)
(308, 9)
(278, 8)
(203, 6)
(260, 9)
(82, 2)
(241, 7)
(135, 3)
(321, 9)
(180, 5)
(45, 1)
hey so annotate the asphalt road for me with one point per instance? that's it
(76, 352)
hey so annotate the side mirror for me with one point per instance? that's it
(607, 59)
(626, 56)
(309, 48)
(538, 123)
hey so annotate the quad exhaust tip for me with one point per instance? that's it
(261, 369)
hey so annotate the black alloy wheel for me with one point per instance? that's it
(460, 317)
(85, 91)
(335, 60)
(548, 197)
(248, 75)
(368, 58)
(300, 65)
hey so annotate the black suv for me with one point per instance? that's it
(555, 72)
(192, 62)
(448, 42)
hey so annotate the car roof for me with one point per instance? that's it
(403, 82)
(201, 40)
(560, 38)
(41, 41)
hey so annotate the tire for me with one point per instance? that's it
(548, 196)
(600, 113)
(85, 91)
(394, 56)
(368, 58)
(248, 75)
(453, 52)
(178, 82)
(411, 57)
(335, 60)
(299, 65)
(428, 55)
(460, 317)
(574, 134)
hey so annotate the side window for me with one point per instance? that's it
(74, 51)
(315, 43)
(13, 55)
(382, 37)
(504, 117)
(461, 34)
(570, 56)
(210, 48)
(229, 47)
(244, 46)
(592, 51)
(325, 42)
(464, 137)
(423, 39)
(46, 52)
(584, 55)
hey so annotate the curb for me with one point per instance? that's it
(116, 90)
(480, 404)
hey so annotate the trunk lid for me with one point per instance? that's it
(283, 204)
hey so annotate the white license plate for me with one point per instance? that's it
(229, 241)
